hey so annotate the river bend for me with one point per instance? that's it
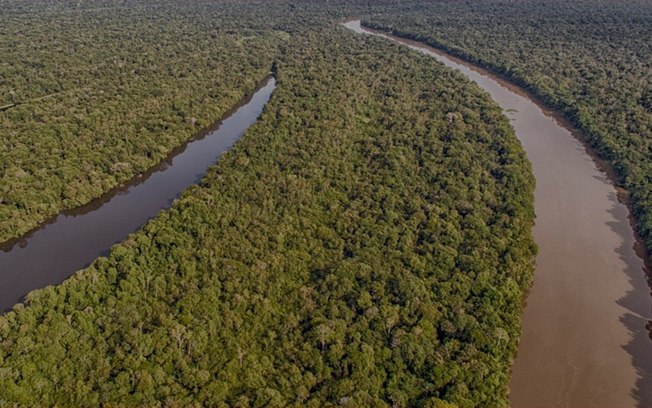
(584, 339)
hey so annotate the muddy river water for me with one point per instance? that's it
(73, 239)
(584, 338)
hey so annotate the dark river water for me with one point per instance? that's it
(585, 341)
(75, 238)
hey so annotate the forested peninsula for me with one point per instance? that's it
(366, 243)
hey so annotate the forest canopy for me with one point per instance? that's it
(591, 59)
(104, 93)
(367, 243)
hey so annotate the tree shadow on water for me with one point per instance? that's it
(637, 301)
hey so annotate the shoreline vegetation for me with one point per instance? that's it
(97, 202)
(87, 232)
(542, 332)
(118, 101)
(366, 243)
(607, 95)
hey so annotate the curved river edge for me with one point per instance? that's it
(586, 325)
(73, 239)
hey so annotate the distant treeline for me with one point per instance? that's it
(591, 59)
(367, 243)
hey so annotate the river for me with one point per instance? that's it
(73, 239)
(584, 339)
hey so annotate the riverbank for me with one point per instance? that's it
(73, 239)
(590, 302)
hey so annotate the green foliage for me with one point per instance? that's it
(125, 86)
(355, 248)
(591, 59)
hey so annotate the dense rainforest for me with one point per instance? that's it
(591, 59)
(367, 243)
(104, 92)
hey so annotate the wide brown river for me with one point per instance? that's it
(585, 341)
(75, 238)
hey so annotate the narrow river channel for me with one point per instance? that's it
(585, 341)
(75, 238)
